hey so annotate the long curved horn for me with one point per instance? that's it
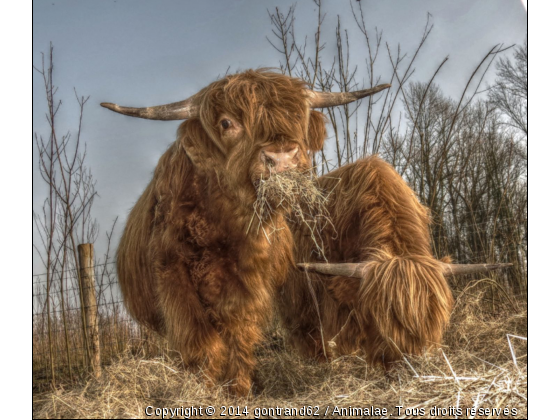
(175, 111)
(329, 99)
(357, 270)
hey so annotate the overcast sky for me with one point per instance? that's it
(143, 53)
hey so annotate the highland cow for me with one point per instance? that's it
(194, 266)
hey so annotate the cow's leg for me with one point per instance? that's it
(239, 296)
(187, 325)
(243, 321)
(240, 340)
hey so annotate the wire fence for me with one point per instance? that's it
(61, 348)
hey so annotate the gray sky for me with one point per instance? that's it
(142, 53)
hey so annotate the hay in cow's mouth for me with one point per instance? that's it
(298, 198)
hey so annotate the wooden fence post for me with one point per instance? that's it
(87, 279)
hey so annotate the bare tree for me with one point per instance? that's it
(511, 92)
(456, 154)
(65, 219)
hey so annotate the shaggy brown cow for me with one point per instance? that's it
(401, 302)
(194, 267)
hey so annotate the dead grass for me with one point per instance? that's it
(476, 368)
(298, 197)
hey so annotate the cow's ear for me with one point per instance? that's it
(198, 145)
(317, 131)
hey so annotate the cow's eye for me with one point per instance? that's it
(226, 124)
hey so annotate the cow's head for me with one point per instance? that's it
(250, 125)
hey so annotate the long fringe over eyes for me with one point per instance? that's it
(403, 304)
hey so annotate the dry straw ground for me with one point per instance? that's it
(481, 365)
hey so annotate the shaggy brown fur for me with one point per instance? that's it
(402, 305)
(188, 266)
(194, 267)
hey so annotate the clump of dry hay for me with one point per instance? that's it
(296, 195)
(475, 368)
